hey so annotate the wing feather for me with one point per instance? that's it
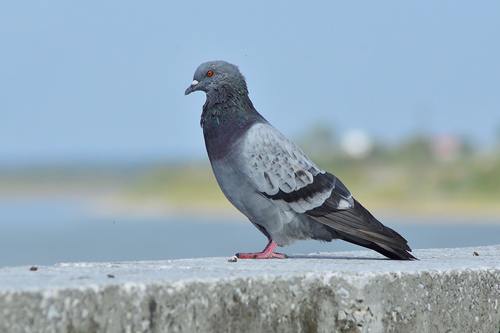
(284, 174)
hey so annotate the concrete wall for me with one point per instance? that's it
(448, 290)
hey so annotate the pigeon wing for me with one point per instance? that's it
(285, 175)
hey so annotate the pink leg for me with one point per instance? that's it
(268, 253)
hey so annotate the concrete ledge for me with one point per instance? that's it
(448, 290)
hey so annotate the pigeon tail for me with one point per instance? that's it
(391, 253)
(358, 226)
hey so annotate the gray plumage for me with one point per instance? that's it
(271, 181)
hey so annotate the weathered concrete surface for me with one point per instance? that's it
(448, 290)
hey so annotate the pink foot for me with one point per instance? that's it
(267, 253)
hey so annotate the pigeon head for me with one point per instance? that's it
(227, 95)
(218, 77)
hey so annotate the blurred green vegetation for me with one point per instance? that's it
(61, 179)
(407, 176)
(181, 185)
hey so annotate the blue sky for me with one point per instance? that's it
(104, 80)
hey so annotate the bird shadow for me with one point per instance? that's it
(322, 256)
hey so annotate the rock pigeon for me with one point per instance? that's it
(271, 181)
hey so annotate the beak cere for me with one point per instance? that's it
(191, 88)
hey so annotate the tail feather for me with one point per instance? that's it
(391, 253)
(358, 226)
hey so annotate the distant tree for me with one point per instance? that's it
(416, 149)
(318, 140)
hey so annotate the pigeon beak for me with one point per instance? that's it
(191, 88)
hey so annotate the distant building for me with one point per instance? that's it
(446, 147)
(357, 144)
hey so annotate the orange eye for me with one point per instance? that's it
(210, 73)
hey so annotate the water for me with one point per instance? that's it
(49, 232)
